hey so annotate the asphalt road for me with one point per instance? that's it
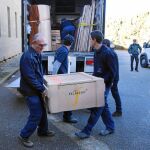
(132, 129)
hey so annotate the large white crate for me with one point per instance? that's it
(74, 91)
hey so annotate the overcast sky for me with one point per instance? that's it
(117, 8)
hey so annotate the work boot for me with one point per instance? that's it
(25, 142)
(46, 134)
(70, 120)
(106, 132)
(82, 135)
(117, 114)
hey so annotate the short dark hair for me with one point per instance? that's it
(97, 35)
(68, 40)
(106, 42)
(134, 40)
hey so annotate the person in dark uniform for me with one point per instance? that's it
(134, 50)
(61, 67)
(114, 88)
(31, 86)
(66, 27)
(104, 67)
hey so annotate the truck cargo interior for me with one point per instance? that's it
(45, 17)
(69, 9)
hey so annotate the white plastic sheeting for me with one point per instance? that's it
(45, 24)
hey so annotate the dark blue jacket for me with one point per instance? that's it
(67, 25)
(31, 70)
(135, 49)
(105, 65)
(61, 55)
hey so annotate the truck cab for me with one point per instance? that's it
(145, 55)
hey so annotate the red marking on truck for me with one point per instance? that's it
(89, 62)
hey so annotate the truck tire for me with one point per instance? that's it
(144, 61)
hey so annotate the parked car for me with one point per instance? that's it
(145, 55)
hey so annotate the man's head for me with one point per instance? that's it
(106, 42)
(96, 38)
(134, 40)
(38, 42)
(68, 40)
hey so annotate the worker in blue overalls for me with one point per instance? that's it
(31, 86)
(61, 67)
(66, 27)
(114, 87)
(104, 67)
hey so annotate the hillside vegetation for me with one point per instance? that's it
(122, 31)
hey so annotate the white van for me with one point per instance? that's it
(145, 55)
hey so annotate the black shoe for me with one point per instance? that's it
(131, 70)
(70, 120)
(117, 114)
(136, 70)
(25, 142)
(106, 132)
(47, 134)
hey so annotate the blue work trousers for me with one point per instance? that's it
(104, 113)
(37, 117)
(136, 58)
(116, 96)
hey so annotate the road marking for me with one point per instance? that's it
(87, 144)
(14, 84)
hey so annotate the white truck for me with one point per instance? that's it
(79, 61)
(145, 55)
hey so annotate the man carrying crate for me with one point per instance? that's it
(104, 67)
(31, 86)
(61, 67)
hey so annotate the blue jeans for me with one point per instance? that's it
(104, 113)
(37, 117)
(116, 96)
(134, 57)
